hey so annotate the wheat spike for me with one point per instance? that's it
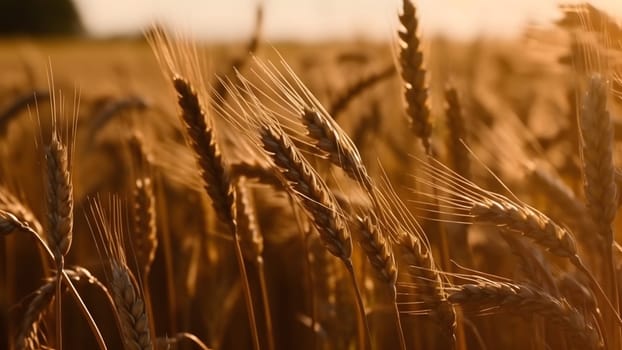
(524, 300)
(59, 197)
(310, 190)
(413, 76)
(208, 156)
(144, 237)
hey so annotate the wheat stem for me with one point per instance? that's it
(364, 333)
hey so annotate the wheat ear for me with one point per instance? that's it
(341, 102)
(337, 145)
(310, 190)
(10, 204)
(312, 193)
(524, 300)
(513, 216)
(20, 103)
(413, 76)
(597, 148)
(207, 154)
(144, 237)
(59, 197)
(216, 179)
(380, 255)
(126, 292)
(599, 176)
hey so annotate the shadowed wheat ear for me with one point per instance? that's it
(341, 102)
(560, 195)
(597, 148)
(126, 290)
(600, 186)
(487, 296)
(565, 206)
(16, 214)
(144, 235)
(18, 105)
(413, 76)
(532, 263)
(144, 231)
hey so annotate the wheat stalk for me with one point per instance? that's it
(251, 241)
(28, 336)
(458, 154)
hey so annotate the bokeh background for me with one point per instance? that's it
(515, 71)
(285, 19)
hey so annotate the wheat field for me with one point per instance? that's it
(423, 193)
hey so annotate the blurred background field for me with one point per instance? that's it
(520, 75)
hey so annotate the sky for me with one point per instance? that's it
(222, 20)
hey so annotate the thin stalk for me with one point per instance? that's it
(85, 311)
(147, 300)
(168, 258)
(444, 242)
(74, 293)
(306, 237)
(364, 333)
(6, 274)
(311, 283)
(191, 338)
(247, 291)
(613, 290)
(266, 302)
(59, 315)
(446, 263)
(398, 325)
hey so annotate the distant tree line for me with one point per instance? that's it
(39, 17)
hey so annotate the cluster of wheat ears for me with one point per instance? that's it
(261, 223)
